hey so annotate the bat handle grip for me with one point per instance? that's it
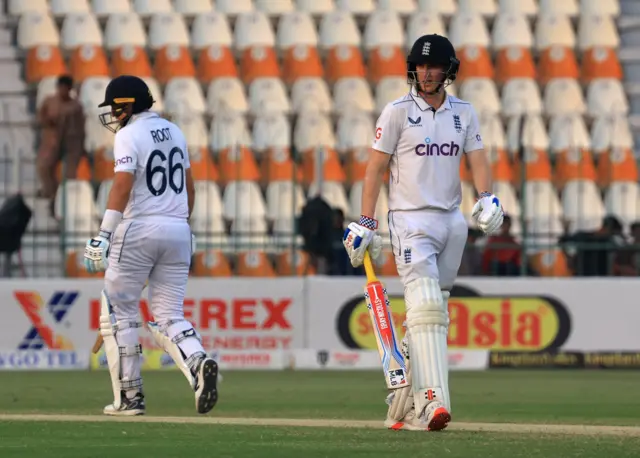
(368, 268)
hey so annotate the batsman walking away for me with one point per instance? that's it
(145, 236)
(421, 138)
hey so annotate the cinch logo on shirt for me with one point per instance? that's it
(124, 160)
(435, 149)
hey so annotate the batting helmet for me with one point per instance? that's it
(126, 95)
(432, 50)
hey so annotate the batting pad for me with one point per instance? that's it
(428, 323)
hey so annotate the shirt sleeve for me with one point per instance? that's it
(388, 130)
(474, 139)
(124, 153)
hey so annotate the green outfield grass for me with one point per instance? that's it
(572, 397)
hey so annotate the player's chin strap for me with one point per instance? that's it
(179, 339)
(121, 348)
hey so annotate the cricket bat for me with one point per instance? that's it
(393, 364)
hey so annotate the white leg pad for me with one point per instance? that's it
(400, 401)
(122, 349)
(445, 300)
(428, 324)
(182, 342)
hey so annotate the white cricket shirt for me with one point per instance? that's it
(155, 151)
(426, 148)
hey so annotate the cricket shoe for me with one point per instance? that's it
(435, 418)
(128, 407)
(206, 385)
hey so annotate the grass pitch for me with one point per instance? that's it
(266, 414)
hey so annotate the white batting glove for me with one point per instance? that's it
(96, 252)
(488, 213)
(358, 237)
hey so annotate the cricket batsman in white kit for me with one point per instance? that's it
(421, 138)
(145, 236)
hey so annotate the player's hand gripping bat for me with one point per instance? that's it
(393, 365)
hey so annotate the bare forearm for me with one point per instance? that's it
(373, 179)
(481, 172)
(118, 199)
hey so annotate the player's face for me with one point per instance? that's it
(430, 77)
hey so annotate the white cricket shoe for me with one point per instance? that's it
(435, 418)
(128, 407)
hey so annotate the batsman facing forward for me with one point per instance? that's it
(145, 235)
(421, 138)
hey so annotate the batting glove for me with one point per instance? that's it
(360, 237)
(488, 213)
(96, 252)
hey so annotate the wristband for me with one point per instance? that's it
(485, 194)
(368, 222)
(110, 221)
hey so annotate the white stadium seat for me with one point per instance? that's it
(156, 93)
(74, 200)
(486, 8)
(543, 233)
(229, 130)
(351, 94)
(226, 95)
(582, 206)
(532, 135)
(37, 28)
(610, 132)
(567, 8)
(96, 136)
(403, 7)
(354, 130)
(20, 7)
(541, 203)
(468, 29)
(358, 7)
(389, 89)
(253, 29)
(146, 8)
(103, 195)
(383, 28)
(600, 7)
(526, 7)
(606, 97)
(333, 193)
(46, 87)
(482, 93)
(563, 96)
(194, 129)
(271, 131)
(444, 7)
(493, 136)
(423, 23)
(249, 231)
(508, 198)
(521, 95)
(296, 28)
(311, 94)
(124, 29)
(285, 200)
(339, 28)
(511, 29)
(243, 200)
(554, 30)
(274, 7)
(65, 7)
(92, 94)
(193, 7)
(315, 7)
(313, 129)
(184, 96)
(206, 219)
(209, 29)
(355, 203)
(234, 7)
(167, 29)
(268, 96)
(103, 8)
(568, 132)
(621, 200)
(597, 31)
(80, 29)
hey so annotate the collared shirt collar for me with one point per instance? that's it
(144, 114)
(424, 106)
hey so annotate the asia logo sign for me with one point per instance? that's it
(46, 319)
(498, 323)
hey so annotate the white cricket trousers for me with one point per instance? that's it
(428, 243)
(154, 248)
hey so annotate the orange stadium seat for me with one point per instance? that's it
(297, 264)
(277, 165)
(557, 62)
(130, 60)
(514, 62)
(332, 168)
(386, 264)
(202, 166)
(103, 165)
(238, 164)
(259, 62)
(74, 266)
(385, 61)
(210, 263)
(344, 61)
(356, 165)
(216, 62)
(512, 41)
(83, 172)
(616, 165)
(475, 62)
(87, 61)
(254, 264)
(500, 165)
(537, 166)
(301, 61)
(43, 61)
(173, 61)
(574, 164)
(550, 263)
(600, 62)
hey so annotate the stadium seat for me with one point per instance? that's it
(388, 89)
(249, 232)
(82, 173)
(103, 196)
(228, 130)
(612, 143)
(570, 143)
(600, 62)
(46, 87)
(482, 94)
(313, 129)
(44, 61)
(344, 61)
(296, 28)
(254, 264)
(582, 206)
(550, 263)
(20, 7)
(234, 7)
(80, 29)
(146, 8)
(99, 145)
(423, 23)
(606, 97)
(332, 170)
(331, 192)
(402, 7)
(183, 96)
(92, 94)
(209, 29)
(621, 200)
(66, 7)
(210, 263)
(277, 165)
(156, 93)
(130, 60)
(206, 219)
(226, 95)
(520, 96)
(284, 205)
(567, 8)
(468, 29)
(385, 265)
(271, 131)
(557, 62)
(87, 61)
(529, 144)
(512, 39)
(554, 30)
(301, 61)
(124, 29)
(381, 210)
(356, 164)
(191, 8)
(600, 8)
(37, 28)
(527, 7)
(383, 28)
(508, 198)
(103, 8)
(259, 62)
(268, 96)
(74, 265)
(214, 62)
(597, 30)
(167, 28)
(563, 96)
(237, 164)
(352, 94)
(356, 7)
(274, 7)
(315, 7)
(74, 205)
(195, 131)
(173, 60)
(486, 8)
(385, 62)
(243, 200)
(339, 28)
(542, 203)
(616, 166)
(293, 264)
(495, 144)
(444, 7)
(354, 131)
(311, 94)
(253, 29)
